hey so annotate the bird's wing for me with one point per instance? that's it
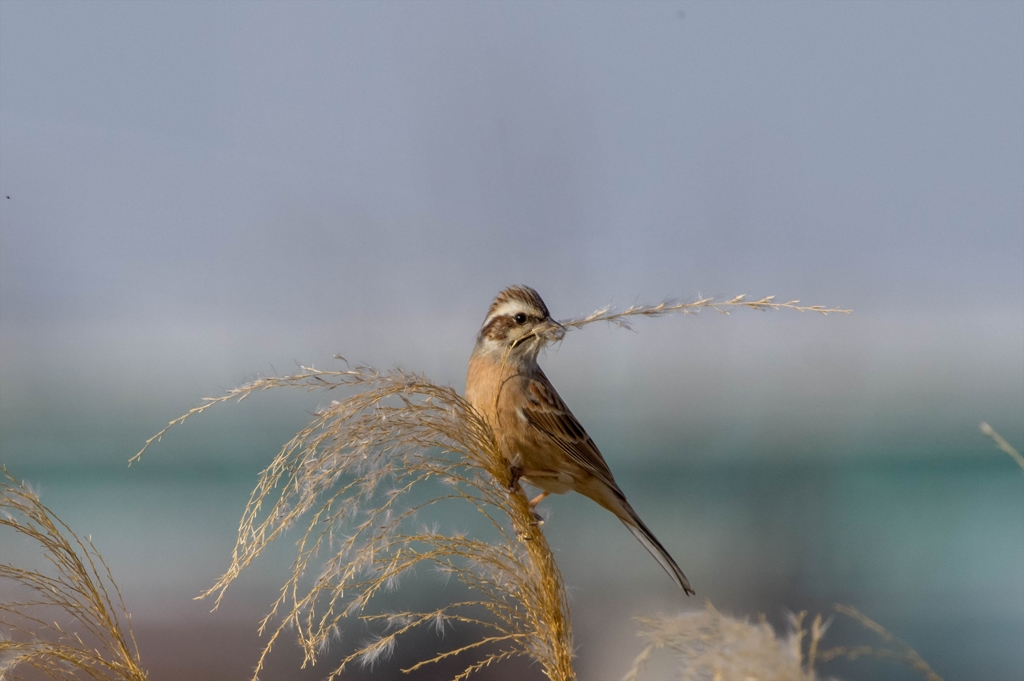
(544, 410)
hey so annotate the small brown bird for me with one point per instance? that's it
(543, 442)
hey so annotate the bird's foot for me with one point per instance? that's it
(538, 519)
(517, 473)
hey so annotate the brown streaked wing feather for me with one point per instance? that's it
(545, 411)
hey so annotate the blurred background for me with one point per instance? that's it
(194, 194)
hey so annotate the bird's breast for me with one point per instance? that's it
(495, 391)
(482, 381)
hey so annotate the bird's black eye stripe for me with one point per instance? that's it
(520, 318)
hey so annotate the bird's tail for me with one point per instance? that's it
(632, 521)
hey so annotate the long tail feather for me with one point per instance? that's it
(654, 547)
(612, 498)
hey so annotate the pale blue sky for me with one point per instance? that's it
(288, 160)
(202, 191)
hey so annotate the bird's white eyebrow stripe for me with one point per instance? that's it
(510, 307)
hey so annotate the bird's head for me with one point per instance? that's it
(518, 325)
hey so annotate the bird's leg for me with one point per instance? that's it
(533, 507)
(517, 472)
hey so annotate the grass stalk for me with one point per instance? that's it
(95, 641)
(989, 432)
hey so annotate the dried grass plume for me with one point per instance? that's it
(356, 480)
(71, 624)
(351, 478)
(711, 646)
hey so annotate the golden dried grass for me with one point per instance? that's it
(349, 478)
(711, 646)
(896, 649)
(621, 318)
(96, 640)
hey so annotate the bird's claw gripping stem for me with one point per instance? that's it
(517, 473)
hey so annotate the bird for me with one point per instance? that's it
(543, 442)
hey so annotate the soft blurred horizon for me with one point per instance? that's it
(200, 193)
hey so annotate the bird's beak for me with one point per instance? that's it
(549, 330)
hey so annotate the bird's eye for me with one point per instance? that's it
(520, 318)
